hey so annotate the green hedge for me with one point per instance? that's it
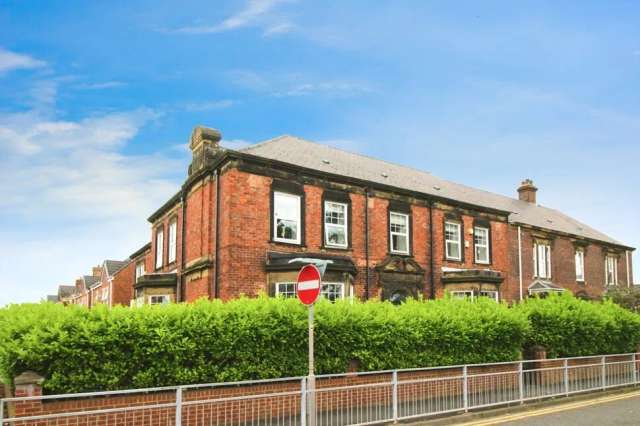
(567, 326)
(100, 349)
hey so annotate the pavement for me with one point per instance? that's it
(616, 409)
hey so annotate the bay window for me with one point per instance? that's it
(330, 290)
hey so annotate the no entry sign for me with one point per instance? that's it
(308, 284)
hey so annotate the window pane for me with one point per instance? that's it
(159, 248)
(481, 240)
(398, 223)
(332, 291)
(453, 250)
(336, 235)
(452, 240)
(399, 243)
(286, 289)
(335, 213)
(286, 213)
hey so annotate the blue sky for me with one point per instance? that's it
(97, 101)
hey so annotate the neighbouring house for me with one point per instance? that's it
(244, 221)
(243, 217)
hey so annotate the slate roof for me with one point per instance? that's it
(66, 290)
(114, 266)
(90, 281)
(311, 155)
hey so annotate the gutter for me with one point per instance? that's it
(628, 271)
(432, 291)
(520, 260)
(366, 241)
(183, 247)
(216, 275)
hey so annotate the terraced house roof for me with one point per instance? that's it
(311, 155)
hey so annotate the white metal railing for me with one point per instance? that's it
(340, 399)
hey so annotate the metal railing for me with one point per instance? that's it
(340, 399)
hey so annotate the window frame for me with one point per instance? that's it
(326, 225)
(467, 294)
(495, 296)
(159, 252)
(274, 221)
(614, 272)
(487, 245)
(166, 297)
(580, 277)
(137, 269)
(293, 284)
(460, 243)
(406, 234)
(536, 260)
(172, 250)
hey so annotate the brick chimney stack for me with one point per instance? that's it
(527, 191)
(205, 144)
(96, 271)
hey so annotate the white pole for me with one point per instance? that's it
(311, 385)
(520, 258)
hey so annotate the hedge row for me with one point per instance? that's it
(77, 349)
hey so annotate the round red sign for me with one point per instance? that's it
(308, 288)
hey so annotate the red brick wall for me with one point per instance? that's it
(122, 285)
(562, 265)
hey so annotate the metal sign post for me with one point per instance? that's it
(308, 289)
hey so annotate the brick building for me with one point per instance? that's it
(242, 218)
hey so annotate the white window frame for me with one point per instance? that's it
(276, 196)
(173, 240)
(486, 246)
(333, 225)
(159, 248)
(611, 262)
(399, 234)
(139, 269)
(579, 265)
(458, 226)
(279, 292)
(541, 270)
(491, 294)
(165, 297)
(462, 294)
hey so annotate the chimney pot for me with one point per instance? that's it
(527, 191)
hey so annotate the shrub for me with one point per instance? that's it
(77, 349)
(567, 326)
(628, 298)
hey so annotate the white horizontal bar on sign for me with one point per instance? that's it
(308, 285)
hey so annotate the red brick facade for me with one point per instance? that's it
(225, 247)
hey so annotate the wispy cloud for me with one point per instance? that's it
(208, 105)
(100, 85)
(293, 85)
(10, 61)
(254, 13)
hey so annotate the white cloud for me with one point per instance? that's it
(71, 197)
(277, 29)
(10, 61)
(255, 12)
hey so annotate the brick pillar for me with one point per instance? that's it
(25, 385)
